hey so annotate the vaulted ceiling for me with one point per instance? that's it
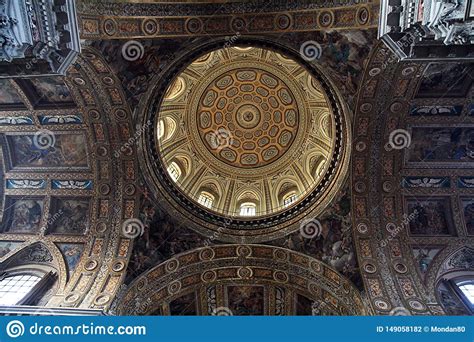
(251, 105)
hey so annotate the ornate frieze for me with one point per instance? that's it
(114, 21)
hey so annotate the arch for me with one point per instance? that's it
(180, 165)
(270, 268)
(285, 189)
(326, 124)
(106, 120)
(459, 260)
(455, 292)
(248, 196)
(386, 201)
(166, 128)
(175, 171)
(177, 88)
(184, 162)
(212, 187)
(315, 163)
(39, 261)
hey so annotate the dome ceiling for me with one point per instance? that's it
(247, 116)
(243, 134)
(256, 110)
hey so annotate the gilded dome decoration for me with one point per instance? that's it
(255, 135)
(256, 110)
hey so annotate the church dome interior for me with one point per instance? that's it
(249, 135)
(244, 158)
(246, 120)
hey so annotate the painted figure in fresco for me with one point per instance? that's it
(27, 153)
(431, 219)
(8, 93)
(26, 216)
(74, 217)
(67, 150)
(345, 54)
(469, 217)
(73, 149)
(51, 90)
(334, 245)
(423, 260)
(442, 144)
(183, 306)
(72, 254)
(5, 248)
(164, 238)
(246, 300)
(444, 80)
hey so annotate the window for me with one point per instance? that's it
(13, 289)
(166, 128)
(161, 129)
(174, 171)
(248, 209)
(206, 199)
(466, 289)
(289, 199)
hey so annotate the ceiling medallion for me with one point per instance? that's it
(247, 141)
(257, 110)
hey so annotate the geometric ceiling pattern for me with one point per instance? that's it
(359, 167)
(259, 125)
(312, 168)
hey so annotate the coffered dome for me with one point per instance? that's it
(255, 109)
(247, 133)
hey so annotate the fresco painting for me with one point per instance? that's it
(468, 210)
(441, 145)
(25, 215)
(9, 96)
(432, 216)
(446, 80)
(246, 300)
(184, 305)
(61, 150)
(69, 216)
(8, 246)
(72, 253)
(424, 256)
